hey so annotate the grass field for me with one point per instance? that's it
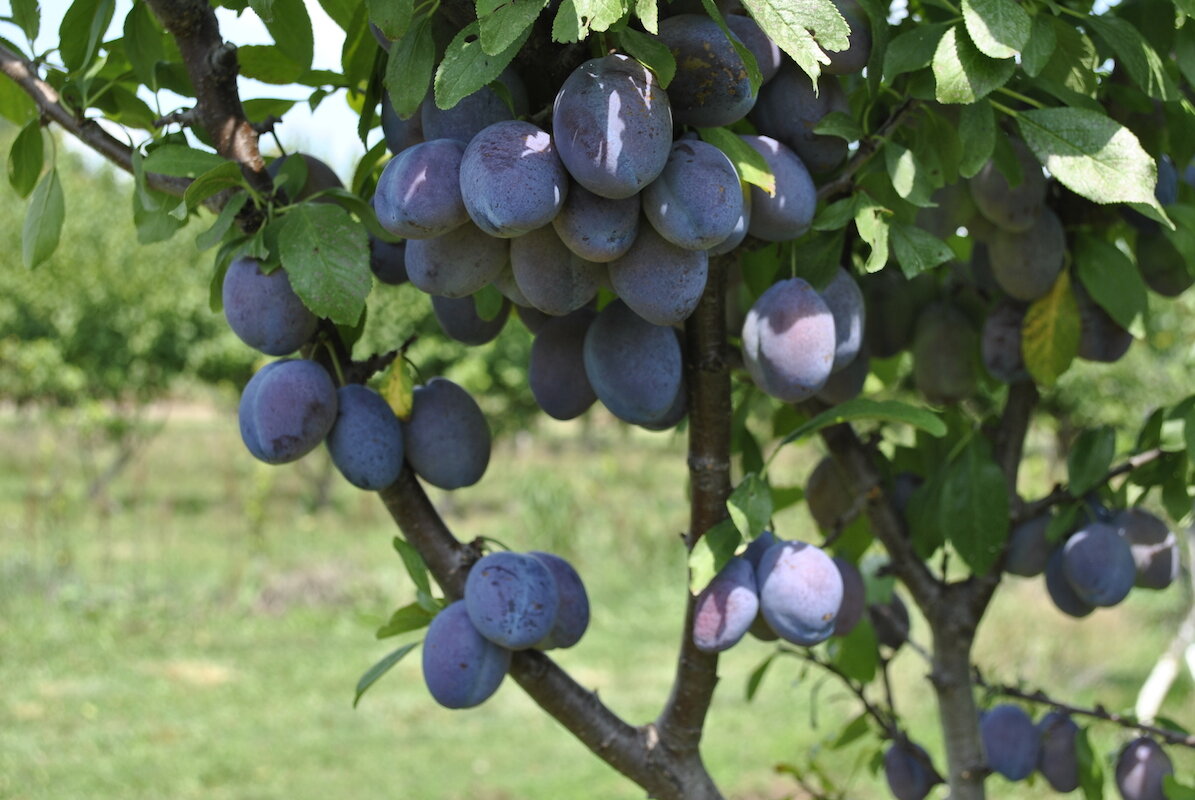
(197, 630)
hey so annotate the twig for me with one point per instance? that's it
(184, 116)
(886, 719)
(1098, 712)
(1061, 494)
(868, 147)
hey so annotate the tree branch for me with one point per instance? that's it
(1061, 494)
(868, 147)
(87, 131)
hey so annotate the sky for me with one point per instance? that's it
(330, 133)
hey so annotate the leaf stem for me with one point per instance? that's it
(1023, 98)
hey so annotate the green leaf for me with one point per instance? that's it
(223, 224)
(488, 302)
(406, 619)
(15, 106)
(291, 29)
(1050, 333)
(977, 131)
(466, 67)
(852, 732)
(81, 32)
(750, 506)
(576, 18)
(27, 16)
(914, 49)
(267, 64)
(649, 14)
(1040, 46)
(651, 53)
(381, 668)
(143, 44)
(756, 677)
(924, 513)
(264, 9)
(326, 256)
(1111, 278)
(1135, 54)
(840, 124)
(1176, 496)
(999, 28)
(917, 250)
(837, 215)
(412, 561)
(799, 26)
(226, 176)
(1074, 60)
(1091, 154)
(1063, 521)
(505, 21)
(871, 220)
(1173, 790)
(1091, 771)
(409, 70)
(857, 654)
(26, 159)
(393, 17)
(181, 161)
(864, 408)
(712, 552)
(341, 11)
(974, 510)
(1089, 458)
(43, 220)
(750, 164)
(964, 74)
(909, 176)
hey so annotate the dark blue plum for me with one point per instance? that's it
(399, 133)
(612, 125)
(1141, 769)
(473, 113)
(552, 277)
(847, 383)
(725, 609)
(854, 597)
(263, 310)
(909, 771)
(698, 198)
(512, 180)
(1162, 266)
(945, 350)
(1101, 338)
(789, 341)
(572, 619)
(831, 499)
(1026, 263)
(446, 438)
(1153, 544)
(1098, 564)
(319, 176)
(741, 225)
(597, 228)
(890, 621)
(788, 213)
(634, 366)
(758, 546)
(459, 320)
(788, 110)
(418, 195)
(366, 440)
(458, 263)
(388, 260)
(660, 281)
(800, 592)
(844, 298)
(676, 412)
(711, 86)
(1011, 741)
(461, 667)
(556, 372)
(768, 56)
(1060, 590)
(1028, 550)
(1058, 758)
(1009, 207)
(1000, 342)
(512, 599)
(858, 50)
(286, 410)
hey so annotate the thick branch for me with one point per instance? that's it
(707, 377)
(88, 131)
(212, 66)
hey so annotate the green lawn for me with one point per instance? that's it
(198, 631)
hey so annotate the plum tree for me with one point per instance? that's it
(896, 158)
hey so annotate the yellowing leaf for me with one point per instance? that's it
(1050, 333)
(398, 388)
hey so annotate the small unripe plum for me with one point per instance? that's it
(800, 592)
(446, 438)
(1013, 208)
(512, 599)
(1000, 343)
(1058, 758)
(789, 341)
(725, 609)
(1141, 768)
(944, 355)
(512, 180)
(1011, 741)
(893, 305)
(1026, 263)
(366, 441)
(830, 496)
(460, 666)
(263, 310)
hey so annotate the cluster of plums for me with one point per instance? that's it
(1015, 747)
(513, 601)
(291, 406)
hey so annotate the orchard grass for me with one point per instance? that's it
(196, 631)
